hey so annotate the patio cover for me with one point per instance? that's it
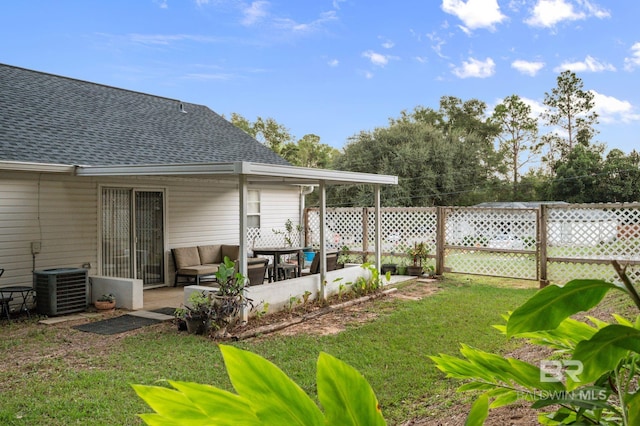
(245, 173)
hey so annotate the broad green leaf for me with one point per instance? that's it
(528, 376)
(193, 403)
(460, 369)
(170, 403)
(472, 386)
(604, 351)
(502, 397)
(276, 399)
(621, 320)
(588, 397)
(632, 405)
(479, 411)
(345, 395)
(551, 305)
(221, 407)
(507, 370)
(153, 419)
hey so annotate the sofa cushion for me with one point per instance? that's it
(232, 252)
(186, 256)
(210, 254)
(198, 270)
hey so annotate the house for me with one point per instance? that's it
(110, 179)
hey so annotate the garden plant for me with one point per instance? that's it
(592, 379)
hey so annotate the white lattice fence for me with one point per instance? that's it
(580, 239)
(595, 234)
(401, 228)
(490, 241)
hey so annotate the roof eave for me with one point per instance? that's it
(36, 167)
(266, 172)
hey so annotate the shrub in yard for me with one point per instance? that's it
(265, 396)
(593, 376)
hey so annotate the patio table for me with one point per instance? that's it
(6, 294)
(276, 252)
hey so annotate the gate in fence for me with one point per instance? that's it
(551, 243)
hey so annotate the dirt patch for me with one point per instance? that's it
(336, 320)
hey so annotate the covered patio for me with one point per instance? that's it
(244, 175)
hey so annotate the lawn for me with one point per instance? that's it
(55, 375)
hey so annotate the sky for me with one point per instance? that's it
(335, 68)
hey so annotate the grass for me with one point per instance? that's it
(90, 384)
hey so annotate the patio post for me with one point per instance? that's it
(242, 266)
(323, 250)
(378, 221)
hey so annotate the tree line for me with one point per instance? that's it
(462, 154)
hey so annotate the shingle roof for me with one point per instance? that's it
(51, 119)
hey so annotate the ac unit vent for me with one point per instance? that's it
(61, 291)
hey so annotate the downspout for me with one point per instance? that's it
(304, 191)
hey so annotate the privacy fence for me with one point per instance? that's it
(552, 243)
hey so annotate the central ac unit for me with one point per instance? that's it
(61, 291)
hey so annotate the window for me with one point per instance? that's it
(253, 209)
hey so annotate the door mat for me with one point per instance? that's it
(165, 311)
(116, 325)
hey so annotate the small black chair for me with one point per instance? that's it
(4, 301)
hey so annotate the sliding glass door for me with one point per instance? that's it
(133, 234)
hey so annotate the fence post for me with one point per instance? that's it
(543, 218)
(440, 240)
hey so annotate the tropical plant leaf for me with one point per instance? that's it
(632, 405)
(153, 419)
(502, 397)
(345, 395)
(276, 399)
(587, 397)
(479, 411)
(551, 305)
(219, 405)
(170, 403)
(604, 351)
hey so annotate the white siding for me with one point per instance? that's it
(58, 211)
(61, 212)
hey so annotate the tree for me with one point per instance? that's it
(518, 134)
(309, 152)
(269, 131)
(569, 109)
(433, 168)
(577, 177)
(620, 181)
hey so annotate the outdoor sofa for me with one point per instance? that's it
(197, 262)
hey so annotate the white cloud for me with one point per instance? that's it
(291, 25)
(255, 12)
(612, 110)
(333, 63)
(633, 61)
(537, 108)
(475, 68)
(527, 67)
(388, 44)
(475, 13)
(437, 44)
(548, 13)
(590, 64)
(336, 3)
(376, 58)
